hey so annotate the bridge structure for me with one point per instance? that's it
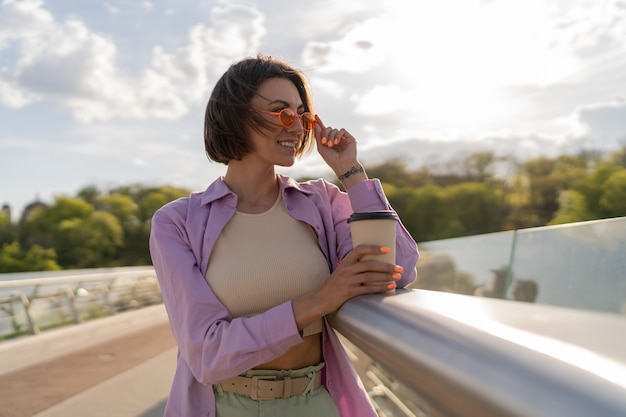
(522, 323)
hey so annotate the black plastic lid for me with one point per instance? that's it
(373, 215)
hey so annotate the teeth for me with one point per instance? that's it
(288, 144)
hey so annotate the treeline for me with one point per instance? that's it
(91, 230)
(484, 193)
(481, 193)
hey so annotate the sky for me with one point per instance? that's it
(112, 93)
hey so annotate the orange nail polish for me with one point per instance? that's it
(385, 249)
(391, 286)
(396, 276)
(398, 268)
(324, 140)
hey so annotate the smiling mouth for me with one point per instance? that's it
(287, 144)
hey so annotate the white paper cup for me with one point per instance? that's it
(375, 228)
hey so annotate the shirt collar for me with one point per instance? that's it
(218, 189)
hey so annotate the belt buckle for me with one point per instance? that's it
(254, 385)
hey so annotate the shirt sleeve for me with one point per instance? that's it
(214, 346)
(369, 196)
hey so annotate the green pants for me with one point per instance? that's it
(314, 403)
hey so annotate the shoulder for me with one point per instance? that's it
(197, 204)
(173, 212)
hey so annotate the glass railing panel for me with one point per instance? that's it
(579, 265)
(467, 265)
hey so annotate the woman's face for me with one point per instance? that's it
(276, 145)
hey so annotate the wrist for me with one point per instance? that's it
(307, 309)
(352, 175)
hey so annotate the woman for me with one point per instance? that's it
(250, 267)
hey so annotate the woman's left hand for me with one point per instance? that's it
(336, 146)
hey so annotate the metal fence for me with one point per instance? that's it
(29, 305)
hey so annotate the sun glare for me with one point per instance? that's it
(455, 62)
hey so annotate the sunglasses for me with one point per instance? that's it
(287, 118)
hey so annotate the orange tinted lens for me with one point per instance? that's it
(308, 121)
(287, 117)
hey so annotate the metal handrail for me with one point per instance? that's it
(469, 356)
(64, 279)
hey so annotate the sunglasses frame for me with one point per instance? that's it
(278, 114)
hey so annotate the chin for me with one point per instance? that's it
(286, 164)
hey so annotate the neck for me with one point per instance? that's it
(256, 190)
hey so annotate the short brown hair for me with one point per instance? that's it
(228, 111)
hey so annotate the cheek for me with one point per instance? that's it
(265, 132)
(261, 138)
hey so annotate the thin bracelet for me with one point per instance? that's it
(352, 171)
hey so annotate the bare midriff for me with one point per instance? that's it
(307, 353)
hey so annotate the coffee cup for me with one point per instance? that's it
(375, 228)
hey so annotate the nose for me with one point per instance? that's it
(297, 125)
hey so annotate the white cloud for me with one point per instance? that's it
(14, 97)
(67, 62)
(460, 68)
(381, 99)
(602, 123)
(357, 51)
(236, 31)
(21, 19)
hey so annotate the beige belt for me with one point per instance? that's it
(270, 387)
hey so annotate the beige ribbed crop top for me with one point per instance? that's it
(262, 260)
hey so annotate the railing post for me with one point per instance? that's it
(106, 299)
(71, 299)
(32, 326)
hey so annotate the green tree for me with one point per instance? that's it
(422, 210)
(135, 250)
(41, 227)
(591, 186)
(120, 205)
(14, 259)
(618, 158)
(472, 208)
(547, 178)
(613, 198)
(8, 231)
(89, 194)
(572, 208)
(480, 166)
(392, 172)
(90, 242)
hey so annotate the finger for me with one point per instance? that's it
(373, 287)
(318, 122)
(336, 137)
(362, 250)
(333, 137)
(339, 136)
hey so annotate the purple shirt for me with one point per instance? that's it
(212, 346)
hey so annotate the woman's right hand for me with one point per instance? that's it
(351, 278)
